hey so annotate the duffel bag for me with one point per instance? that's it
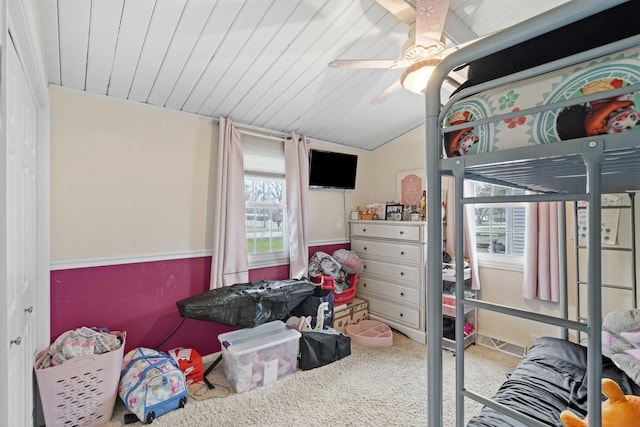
(320, 348)
(151, 384)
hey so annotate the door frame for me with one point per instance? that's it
(18, 20)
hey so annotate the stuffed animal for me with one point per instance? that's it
(617, 410)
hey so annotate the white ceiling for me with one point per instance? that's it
(263, 63)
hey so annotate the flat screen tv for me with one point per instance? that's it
(329, 169)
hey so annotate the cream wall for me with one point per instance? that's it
(129, 180)
(330, 209)
(407, 152)
(126, 180)
(504, 287)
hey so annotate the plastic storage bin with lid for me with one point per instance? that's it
(254, 357)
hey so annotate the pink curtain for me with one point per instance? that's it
(470, 251)
(229, 264)
(541, 268)
(296, 160)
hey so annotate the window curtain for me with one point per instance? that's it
(469, 226)
(296, 159)
(541, 267)
(229, 264)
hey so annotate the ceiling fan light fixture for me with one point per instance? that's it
(416, 76)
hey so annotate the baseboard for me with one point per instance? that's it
(503, 346)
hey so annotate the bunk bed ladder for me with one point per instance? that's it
(633, 286)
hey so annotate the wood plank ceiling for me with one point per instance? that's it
(262, 63)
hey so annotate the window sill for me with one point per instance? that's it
(501, 262)
(268, 260)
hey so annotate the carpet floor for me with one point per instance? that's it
(372, 387)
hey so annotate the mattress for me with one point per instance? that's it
(595, 97)
(550, 378)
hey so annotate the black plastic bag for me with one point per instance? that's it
(319, 349)
(247, 305)
(309, 307)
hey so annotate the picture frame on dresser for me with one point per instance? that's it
(409, 186)
(393, 212)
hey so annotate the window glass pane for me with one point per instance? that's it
(265, 215)
(500, 228)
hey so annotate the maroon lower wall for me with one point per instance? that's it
(141, 299)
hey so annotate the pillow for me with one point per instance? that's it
(632, 337)
(622, 320)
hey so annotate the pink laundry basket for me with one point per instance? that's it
(82, 391)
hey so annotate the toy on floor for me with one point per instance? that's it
(303, 323)
(618, 410)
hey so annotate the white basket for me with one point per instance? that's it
(82, 391)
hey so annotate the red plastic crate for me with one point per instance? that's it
(344, 297)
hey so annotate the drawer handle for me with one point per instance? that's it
(401, 252)
(401, 294)
(402, 273)
(364, 266)
(401, 315)
(364, 285)
(365, 248)
(364, 230)
(401, 233)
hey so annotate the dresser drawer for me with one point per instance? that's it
(397, 272)
(401, 294)
(398, 232)
(408, 316)
(397, 251)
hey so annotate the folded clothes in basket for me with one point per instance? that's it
(79, 342)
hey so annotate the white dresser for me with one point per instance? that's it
(393, 255)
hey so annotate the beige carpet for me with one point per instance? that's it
(372, 387)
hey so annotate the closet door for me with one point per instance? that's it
(18, 234)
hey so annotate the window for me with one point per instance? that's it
(265, 201)
(265, 213)
(500, 228)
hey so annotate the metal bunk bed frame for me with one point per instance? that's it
(587, 159)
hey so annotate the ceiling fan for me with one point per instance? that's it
(420, 53)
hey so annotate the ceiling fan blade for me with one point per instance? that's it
(430, 18)
(401, 9)
(368, 63)
(385, 94)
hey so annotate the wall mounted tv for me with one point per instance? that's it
(329, 169)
